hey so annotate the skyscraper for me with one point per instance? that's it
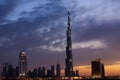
(58, 70)
(52, 71)
(16, 71)
(43, 71)
(39, 72)
(22, 63)
(103, 71)
(69, 57)
(97, 69)
(5, 69)
(8, 71)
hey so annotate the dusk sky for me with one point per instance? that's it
(39, 27)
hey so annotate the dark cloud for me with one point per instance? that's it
(26, 34)
(6, 8)
(108, 31)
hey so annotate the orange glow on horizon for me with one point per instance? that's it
(110, 70)
(85, 70)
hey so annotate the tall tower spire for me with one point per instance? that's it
(68, 20)
(69, 58)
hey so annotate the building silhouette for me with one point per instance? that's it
(8, 71)
(5, 69)
(11, 71)
(35, 73)
(58, 74)
(97, 69)
(39, 72)
(69, 57)
(22, 64)
(52, 71)
(103, 71)
(16, 71)
(77, 73)
(43, 72)
(48, 73)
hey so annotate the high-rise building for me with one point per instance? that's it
(103, 71)
(43, 72)
(35, 73)
(76, 73)
(16, 71)
(97, 69)
(39, 72)
(58, 70)
(8, 71)
(69, 57)
(52, 71)
(49, 73)
(22, 63)
(5, 69)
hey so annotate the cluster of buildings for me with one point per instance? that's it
(9, 71)
(43, 73)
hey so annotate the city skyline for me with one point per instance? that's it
(39, 28)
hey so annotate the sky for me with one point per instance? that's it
(39, 27)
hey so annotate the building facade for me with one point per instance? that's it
(69, 57)
(97, 69)
(22, 63)
(58, 74)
